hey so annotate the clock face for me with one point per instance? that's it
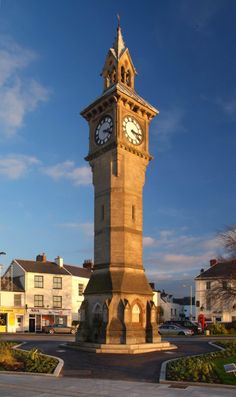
(132, 130)
(104, 130)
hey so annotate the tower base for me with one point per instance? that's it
(124, 348)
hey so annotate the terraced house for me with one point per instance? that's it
(51, 293)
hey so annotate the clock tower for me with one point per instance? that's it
(118, 313)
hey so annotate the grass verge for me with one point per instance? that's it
(207, 368)
(25, 361)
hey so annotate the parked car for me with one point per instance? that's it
(59, 329)
(172, 329)
(186, 324)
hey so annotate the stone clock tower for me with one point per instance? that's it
(118, 313)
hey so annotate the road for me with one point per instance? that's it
(140, 367)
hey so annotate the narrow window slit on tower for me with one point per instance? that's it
(102, 212)
(133, 213)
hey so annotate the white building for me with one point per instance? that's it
(167, 309)
(53, 291)
(216, 291)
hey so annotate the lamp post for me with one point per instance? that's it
(191, 301)
(1, 253)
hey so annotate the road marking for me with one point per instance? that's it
(167, 352)
(60, 351)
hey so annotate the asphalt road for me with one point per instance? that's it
(140, 367)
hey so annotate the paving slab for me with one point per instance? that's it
(36, 386)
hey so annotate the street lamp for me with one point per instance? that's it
(1, 253)
(191, 300)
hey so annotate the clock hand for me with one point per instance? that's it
(136, 133)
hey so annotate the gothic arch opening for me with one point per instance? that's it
(136, 314)
(122, 73)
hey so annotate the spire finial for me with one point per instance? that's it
(118, 18)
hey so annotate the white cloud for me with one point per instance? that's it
(185, 260)
(68, 170)
(18, 95)
(174, 255)
(16, 166)
(228, 107)
(169, 122)
(148, 241)
(87, 228)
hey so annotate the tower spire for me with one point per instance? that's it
(119, 44)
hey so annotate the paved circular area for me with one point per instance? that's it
(139, 367)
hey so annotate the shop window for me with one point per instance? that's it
(57, 302)
(17, 299)
(38, 300)
(57, 282)
(38, 281)
(80, 289)
(3, 319)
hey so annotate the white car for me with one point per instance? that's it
(171, 329)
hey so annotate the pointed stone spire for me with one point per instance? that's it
(119, 44)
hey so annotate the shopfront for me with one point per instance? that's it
(11, 320)
(39, 318)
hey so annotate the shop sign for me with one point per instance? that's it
(15, 311)
(52, 312)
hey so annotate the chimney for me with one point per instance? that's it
(88, 264)
(41, 258)
(152, 285)
(202, 271)
(59, 261)
(213, 262)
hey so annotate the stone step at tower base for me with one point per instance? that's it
(125, 349)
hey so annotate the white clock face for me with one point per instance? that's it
(104, 130)
(132, 130)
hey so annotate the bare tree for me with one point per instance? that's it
(228, 240)
(221, 295)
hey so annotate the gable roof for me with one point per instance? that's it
(48, 267)
(78, 271)
(225, 270)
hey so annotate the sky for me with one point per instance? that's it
(51, 56)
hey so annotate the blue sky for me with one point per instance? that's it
(51, 56)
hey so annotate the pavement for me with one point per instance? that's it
(45, 386)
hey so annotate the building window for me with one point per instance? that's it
(80, 289)
(208, 303)
(197, 303)
(208, 285)
(57, 302)
(38, 281)
(57, 282)
(225, 284)
(17, 299)
(38, 300)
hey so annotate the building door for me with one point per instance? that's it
(32, 325)
(19, 323)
